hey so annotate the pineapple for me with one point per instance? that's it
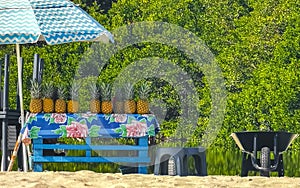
(129, 103)
(142, 103)
(73, 103)
(48, 104)
(60, 103)
(119, 102)
(106, 104)
(36, 104)
(95, 102)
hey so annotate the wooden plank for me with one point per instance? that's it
(63, 159)
(91, 147)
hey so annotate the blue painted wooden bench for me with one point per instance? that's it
(142, 159)
(42, 127)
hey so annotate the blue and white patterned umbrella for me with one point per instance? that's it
(52, 21)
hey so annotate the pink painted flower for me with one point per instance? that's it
(136, 129)
(77, 130)
(120, 118)
(59, 118)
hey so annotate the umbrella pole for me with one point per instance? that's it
(19, 141)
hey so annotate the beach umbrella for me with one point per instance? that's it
(51, 21)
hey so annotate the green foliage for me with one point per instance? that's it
(256, 45)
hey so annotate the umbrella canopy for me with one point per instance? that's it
(52, 21)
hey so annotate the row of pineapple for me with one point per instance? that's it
(127, 105)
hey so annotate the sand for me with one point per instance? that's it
(86, 178)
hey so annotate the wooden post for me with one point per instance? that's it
(21, 151)
(18, 97)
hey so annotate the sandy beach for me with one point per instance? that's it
(86, 178)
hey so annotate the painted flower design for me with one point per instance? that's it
(31, 115)
(59, 118)
(88, 115)
(77, 130)
(120, 118)
(136, 129)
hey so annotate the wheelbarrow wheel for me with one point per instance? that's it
(265, 161)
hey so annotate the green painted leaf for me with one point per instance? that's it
(112, 119)
(34, 132)
(91, 118)
(118, 130)
(150, 118)
(83, 121)
(106, 117)
(64, 131)
(70, 120)
(130, 119)
(57, 131)
(123, 127)
(47, 116)
(143, 120)
(151, 127)
(94, 131)
(124, 134)
(151, 130)
(151, 133)
(51, 120)
(32, 118)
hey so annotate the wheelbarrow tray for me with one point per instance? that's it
(245, 142)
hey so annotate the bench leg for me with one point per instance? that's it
(37, 167)
(142, 169)
(143, 141)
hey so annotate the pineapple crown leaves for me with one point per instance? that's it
(35, 91)
(144, 91)
(61, 92)
(48, 89)
(105, 90)
(129, 91)
(94, 90)
(74, 90)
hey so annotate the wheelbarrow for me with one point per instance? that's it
(252, 143)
